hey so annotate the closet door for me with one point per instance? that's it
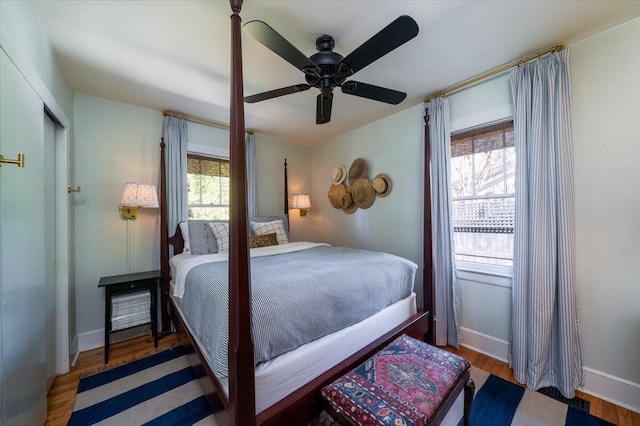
(22, 252)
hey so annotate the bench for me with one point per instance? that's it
(407, 382)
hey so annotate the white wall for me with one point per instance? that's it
(394, 223)
(605, 84)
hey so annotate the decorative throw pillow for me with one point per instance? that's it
(201, 238)
(261, 228)
(221, 232)
(264, 240)
(184, 228)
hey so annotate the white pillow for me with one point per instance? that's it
(184, 228)
(261, 228)
(221, 232)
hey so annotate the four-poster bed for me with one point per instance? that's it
(234, 400)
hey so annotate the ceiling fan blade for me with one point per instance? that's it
(389, 38)
(276, 93)
(376, 93)
(278, 44)
(323, 107)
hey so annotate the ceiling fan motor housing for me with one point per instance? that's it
(326, 59)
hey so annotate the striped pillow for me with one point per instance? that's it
(221, 232)
(261, 228)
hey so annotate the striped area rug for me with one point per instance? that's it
(499, 402)
(162, 390)
(157, 390)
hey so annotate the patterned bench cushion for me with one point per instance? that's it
(403, 384)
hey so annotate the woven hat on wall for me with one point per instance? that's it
(347, 204)
(358, 170)
(382, 184)
(363, 193)
(335, 195)
(338, 174)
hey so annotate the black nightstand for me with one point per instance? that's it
(124, 284)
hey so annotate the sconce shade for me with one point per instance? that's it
(301, 201)
(141, 195)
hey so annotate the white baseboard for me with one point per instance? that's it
(95, 339)
(613, 389)
(90, 340)
(485, 344)
(597, 383)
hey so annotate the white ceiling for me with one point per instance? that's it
(174, 55)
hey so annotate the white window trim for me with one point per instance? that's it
(498, 275)
(209, 151)
(483, 119)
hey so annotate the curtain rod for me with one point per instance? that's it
(493, 72)
(201, 120)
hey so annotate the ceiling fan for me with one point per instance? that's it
(327, 69)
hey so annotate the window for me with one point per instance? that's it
(483, 162)
(208, 187)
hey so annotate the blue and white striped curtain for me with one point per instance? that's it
(250, 147)
(447, 303)
(174, 132)
(545, 336)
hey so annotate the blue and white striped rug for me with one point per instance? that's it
(157, 390)
(500, 402)
(162, 390)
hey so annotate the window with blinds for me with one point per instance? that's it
(208, 187)
(483, 165)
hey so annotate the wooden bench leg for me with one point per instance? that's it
(469, 390)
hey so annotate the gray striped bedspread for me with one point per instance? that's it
(296, 297)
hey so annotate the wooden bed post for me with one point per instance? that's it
(427, 271)
(286, 190)
(164, 245)
(241, 362)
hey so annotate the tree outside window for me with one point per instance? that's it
(483, 165)
(208, 188)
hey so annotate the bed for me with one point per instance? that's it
(296, 341)
(280, 387)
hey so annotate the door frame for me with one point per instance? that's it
(63, 228)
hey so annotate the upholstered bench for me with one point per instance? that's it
(407, 383)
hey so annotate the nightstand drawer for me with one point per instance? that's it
(132, 287)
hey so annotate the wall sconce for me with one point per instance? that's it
(302, 202)
(137, 196)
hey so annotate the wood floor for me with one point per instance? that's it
(63, 392)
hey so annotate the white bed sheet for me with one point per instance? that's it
(184, 262)
(279, 377)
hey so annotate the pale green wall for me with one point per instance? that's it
(115, 143)
(270, 155)
(485, 306)
(21, 34)
(393, 224)
(24, 40)
(606, 125)
(605, 85)
(119, 143)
